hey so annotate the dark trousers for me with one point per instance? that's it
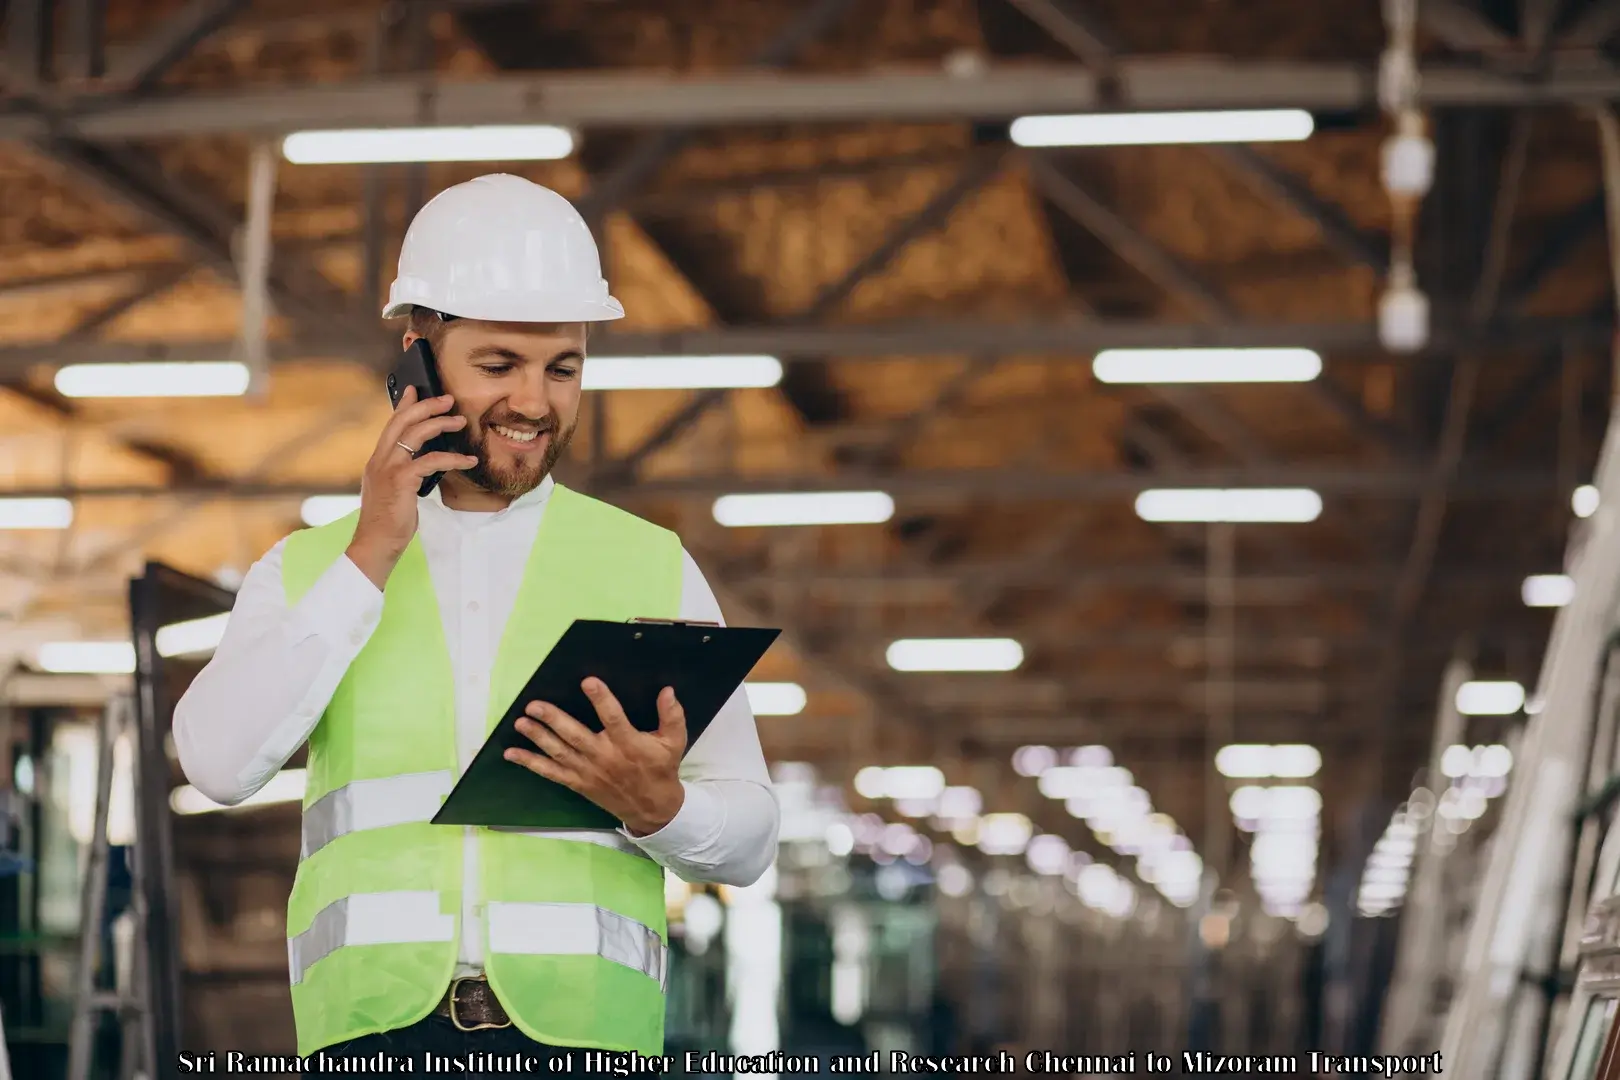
(509, 1050)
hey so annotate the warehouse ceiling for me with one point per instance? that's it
(848, 199)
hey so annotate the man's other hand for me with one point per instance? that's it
(633, 775)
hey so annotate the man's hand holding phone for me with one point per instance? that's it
(392, 477)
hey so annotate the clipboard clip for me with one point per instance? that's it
(675, 622)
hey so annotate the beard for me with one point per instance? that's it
(512, 480)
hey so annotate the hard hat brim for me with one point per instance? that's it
(516, 309)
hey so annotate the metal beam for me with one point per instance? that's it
(1054, 340)
(1536, 19)
(27, 34)
(83, 56)
(1562, 238)
(1463, 28)
(1594, 26)
(1174, 276)
(921, 485)
(148, 62)
(147, 287)
(645, 99)
(931, 216)
(1124, 239)
(643, 161)
(1076, 30)
(1277, 183)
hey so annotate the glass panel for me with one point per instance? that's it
(1594, 1026)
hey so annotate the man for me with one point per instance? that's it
(393, 640)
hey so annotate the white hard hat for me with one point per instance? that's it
(502, 249)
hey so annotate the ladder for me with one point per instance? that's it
(128, 997)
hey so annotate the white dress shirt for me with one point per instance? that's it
(277, 667)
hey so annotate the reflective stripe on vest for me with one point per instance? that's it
(555, 929)
(374, 804)
(538, 929)
(384, 918)
(411, 799)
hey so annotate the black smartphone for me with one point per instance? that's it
(417, 367)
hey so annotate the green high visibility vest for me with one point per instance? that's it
(576, 940)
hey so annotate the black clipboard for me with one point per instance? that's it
(705, 664)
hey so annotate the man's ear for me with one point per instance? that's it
(411, 336)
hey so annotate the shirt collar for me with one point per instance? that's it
(537, 497)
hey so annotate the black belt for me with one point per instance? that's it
(471, 1005)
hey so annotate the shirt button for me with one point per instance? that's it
(472, 605)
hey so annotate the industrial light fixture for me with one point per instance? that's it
(805, 508)
(321, 510)
(899, 782)
(955, 654)
(1585, 501)
(1004, 834)
(368, 146)
(194, 637)
(1547, 590)
(1481, 698)
(1229, 505)
(35, 513)
(1206, 365)
(681, 372)
(285, 786)
(1033, 760)
(1047, 854)
(775, 698)
(1292, 761)
(1168, 128)
(87, 657)
(157, 379)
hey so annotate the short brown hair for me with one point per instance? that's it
(425, 322)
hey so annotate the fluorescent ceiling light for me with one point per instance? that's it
(87, 657)
(805, 508)
(534, 142)
(1206, 365)
(775, 698)
(193, 636)
(681, 372)
(955, 654)
(1147, 129)
(899, 782)
(1547, 590)
(35, 513)
(960, 802)
(1585, 501)
(321, 510)
(1292, 761)
(152, 380)
(286, 786)
(190, 638)
(1229, 505)
(1033, 760)
(1004, 834)
(1295, 761)
(1047, 854)
(1243, 760)
(1489, 698)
